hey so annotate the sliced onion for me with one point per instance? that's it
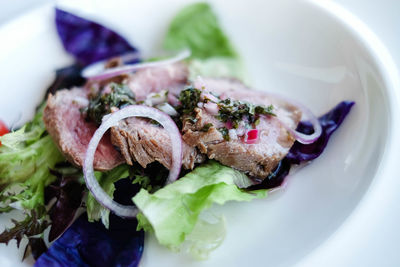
(300, 137)
(154, 99)
(241, 129)
(211, 108)
(98, 67)
(112, 120)
(209, 96)
(173, 100)
(229, 125)
(167, 108)
(251, 136)
(93, 75)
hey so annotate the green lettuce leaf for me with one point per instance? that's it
(218, 67)
(172, 212)
(196, 27)
(26, 156)
(208, 234)
(28, 134)
(106, 180)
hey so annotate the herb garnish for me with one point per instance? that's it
(102, 104)
(151, 178)
(206, 127)
(237, 111)
(265, 110)
(225, 133)
(32, 227)
(189, 98)
(232, 111)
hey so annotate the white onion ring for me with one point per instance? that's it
(99, 66)
(300, 137)
(167, 108)
(112, 120)
(173, 100)
(92, 75)
(211, 108)
(306, 138)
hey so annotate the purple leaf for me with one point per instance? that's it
(36, 246)
(69, 193)
(66, 78)
(32, 226)
(91, 244)
(275, 178)
(330, 122)
(88, 41)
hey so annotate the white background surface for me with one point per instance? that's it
(376, 244)
(381, 16)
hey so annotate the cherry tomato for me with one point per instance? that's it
(3, 129)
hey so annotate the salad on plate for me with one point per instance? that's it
(124, 146)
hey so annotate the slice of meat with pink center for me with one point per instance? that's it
(140, 140)
(229, 147)
(72, 133)
(154, 80)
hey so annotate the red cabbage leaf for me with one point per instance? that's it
(91, 244)
(33, 225)
(299, 153)
(68, 191)
(89, 41)
(67, 77)
(330, 122)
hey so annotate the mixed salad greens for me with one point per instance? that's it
(36, 179)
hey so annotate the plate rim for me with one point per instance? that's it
(387, 166)
(390, 73)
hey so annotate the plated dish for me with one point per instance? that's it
(218, 139)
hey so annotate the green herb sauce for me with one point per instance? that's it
(102, 104)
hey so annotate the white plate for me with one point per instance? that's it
(314, 52)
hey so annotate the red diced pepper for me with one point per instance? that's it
(3, 129)
(251, 136)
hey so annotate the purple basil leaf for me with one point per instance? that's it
(88, 41)
(66, 78)
(91, 244)
(69, 193)
(36, 246)
(33, 224)
(330, 122)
